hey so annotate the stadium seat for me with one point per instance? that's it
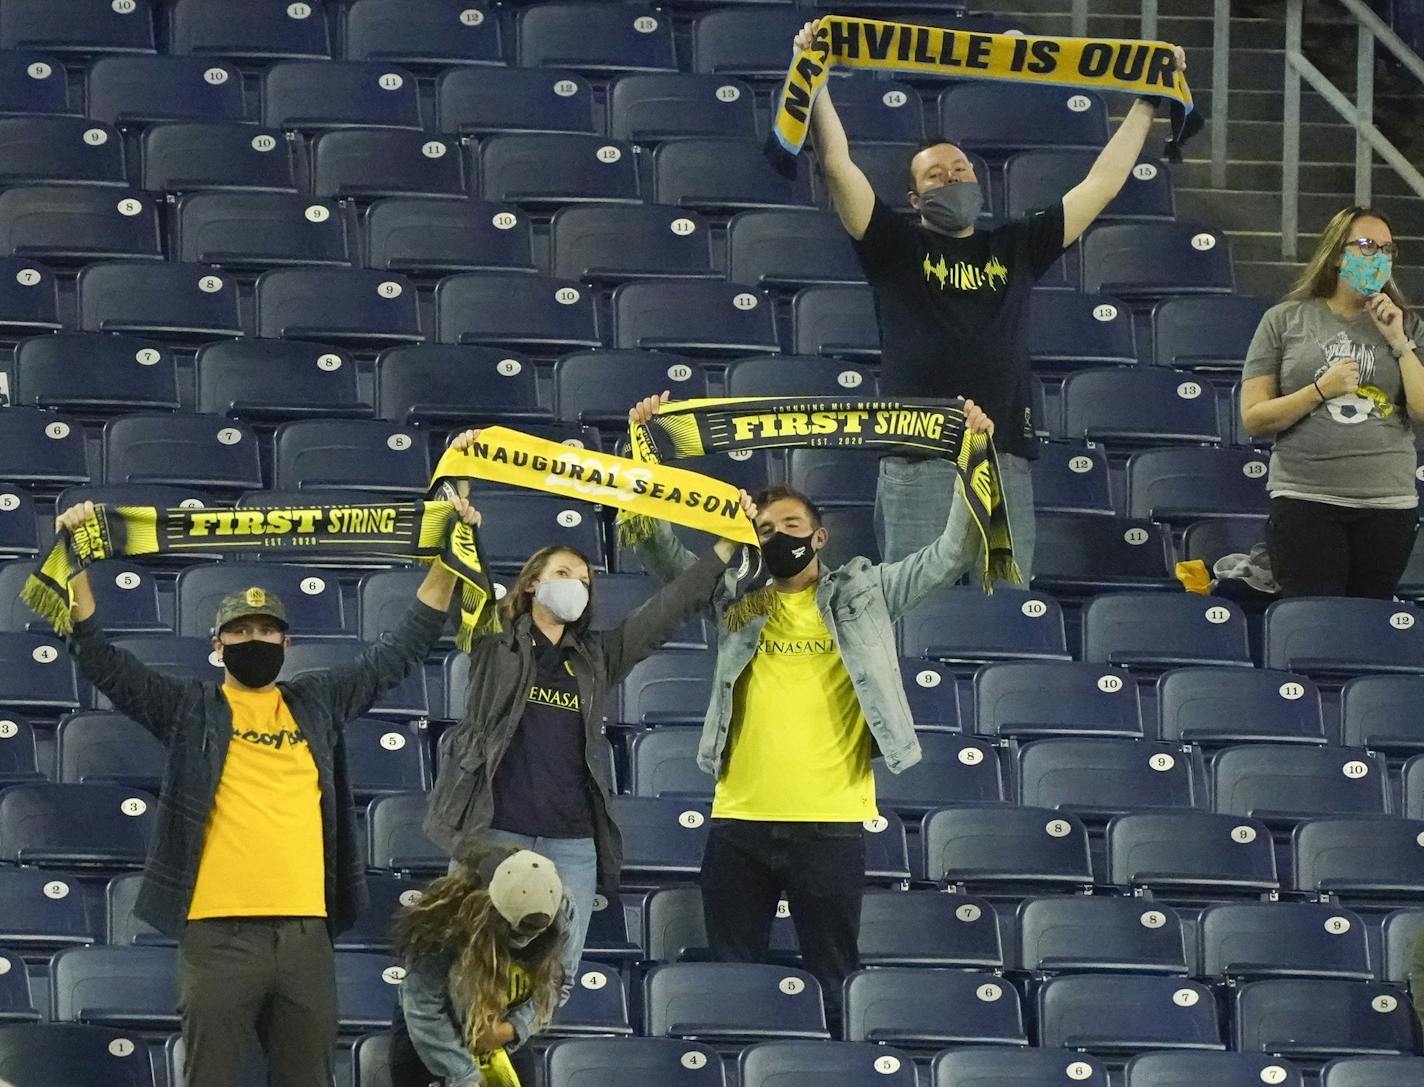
(133, 987)
(796, 376)
(808, 1064)
(595, 387)
(478, 101)
(723, 175)
(1205, 333)
(122, 927)
(673, 928)
(646, 108)
(953, 770)
(17, 758)
(664, 763)
(1369, 1071)
(169, 299)
(967, 626)
(1219, 1069)
(1359, 858)
(981, 1067)
(42, 912)
(598, 1004)
(370, 1060)
(553, 169)
(54, 150)
(17, 1005)
(1150, 260)
(1279, 784)
(1070, 934)
(1163, 630)
(425, 34)
(268, 381)
(610, 244)
(972, 114)
(373, 928)
(384, 596)
(1248, 940)
(619, 595)
(1190, 851)
(456, 386)
(695, 317)
(39, 674)
(367, 163)
(887, 852)
(70, 224)
(834, 477)
(1135, 407)
(366, 989)
(790, 247)
(41, 449)
(1000, 848)
(347, 305)
(19, 533)
(93, 826)
(608, 1062)
(1378, 712)
(429, 236)
(887, 167)
(661, 837)
(1310, 1019)
(1067, 330)
(88, 373)
(307, 95)
(1053, 698)
(518, 523)
(186, 659)
(31, 83)
(606, 39)
(928, 929)
(97, 747)
(1335, 636)
(670, 688)
(193, 450)
(131, 91)
(1215, 706)
(313, 603)
(1037, 179)
(852, 532)
(407, 700)
(729, 1003)
(135, 494)
(395, 841)
(79, 27)
(1097, 779)
(71, 1053)
(835, 321)
(932, 694)
(29, 297)
(515, 311)
(878, 110)
(1114, 1015)
(745, 41)
(1213, 538)
(921, 1008)
(254, 231)
(184, 156)
(1400, 932)
(254, 30)
(1077, 553)
(1187, 484)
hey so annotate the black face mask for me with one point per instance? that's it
(952, 208)
(786, 556)
(254, 663)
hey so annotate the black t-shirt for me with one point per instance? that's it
(541, 785)
(952, 312)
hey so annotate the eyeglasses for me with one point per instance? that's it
(1368, 247)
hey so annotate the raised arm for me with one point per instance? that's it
(851, 193)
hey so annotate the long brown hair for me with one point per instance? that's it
(1322, 271)
(519, 600)
(455, 914)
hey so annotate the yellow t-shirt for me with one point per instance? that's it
(799, 747)
(263, 848)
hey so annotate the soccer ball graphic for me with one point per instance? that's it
(1350, 408)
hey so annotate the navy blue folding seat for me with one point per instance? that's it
(924, 928)
(350, 455)
(610, 244)
(1114, 1015)
(723, 175)
(517, 523)
(957, 625)
(99, 747)
(144, 90)
(1071, 478)
(1037, 179)
(1190, 483)
(1378, 712)
(887, 167)
(19, 538)
(1189, 1069)
(834, 477)
(1205, 333)
(407, 700)
(39, 675)
(121, 926)
(647, 108)
(17, 757)
(1067, 330)
(194, 450)
(878, 110)
(669, 688)
(1098, 778)
(29, 297)
(383, 598)
(598, 1004)
(1283, 939)
(852, 533)
(835, 321)
(321, 94)
(1151, 260)
(367, 163)
(346, 304)
(594, 386)
(924, 1008)
(1070, 934)
(259, 230)
(1337, 636)
(31, 83)
(1191, 851)
(725, 1002)
(135, 494)
(797, 375)
(1280, 784)
(186, 659)
(507, 310)
(931, 693)
(693, 316)
(313, 602)
(17, 1005)
(252, 30)
(1134, 407)
(56, 150)
(88, 373)
(1369, 1071)
(552, 169)
(39, 448)
(69, 224)
(372, 930)
(1053, 698)
(808, 1063)
(1400, 932)
(183, 156)
(953, 770)
(1214, 706)
(605, 38)
(1212, 538)
(395, 841)
(620, 594)
(1080, 553)
(1003, 847)
(1310, 1019)
(1413, 796)
(456, 386)
(664, 763)
(887, 853)
(745, 41)
(432, 236)
(79, 26)
(42, 911)
(476, 101)
(168, 299)
(134, 987)
(790, 247)
(1163, 630)
(973, 114)
(71, 1053)
(974, 1066)
(104, 826)
(366, 989)
(607, 1062)
(422, 33)
(273, 380)
(661, 836)
(1359, 857)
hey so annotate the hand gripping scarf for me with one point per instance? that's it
(693, 428)
(1102, 64)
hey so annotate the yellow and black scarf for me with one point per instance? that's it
(1100, 64)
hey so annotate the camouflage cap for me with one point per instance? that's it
(252, 601)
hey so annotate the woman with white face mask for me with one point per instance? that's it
(528, 766)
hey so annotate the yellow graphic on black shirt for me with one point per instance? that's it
(552, 696)
(964, 276)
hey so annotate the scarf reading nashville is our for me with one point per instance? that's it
(1104, 64)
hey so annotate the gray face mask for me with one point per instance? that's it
(565, 597)
(952, 208)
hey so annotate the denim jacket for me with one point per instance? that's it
(859, 603)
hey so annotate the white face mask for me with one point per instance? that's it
(565, 597)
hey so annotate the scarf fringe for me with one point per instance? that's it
(49, 606)
(758, 602)
(634, 529)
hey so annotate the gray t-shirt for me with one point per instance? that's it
(1357, 449)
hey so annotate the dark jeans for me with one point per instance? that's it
(1322, 550)
(820, 866)
(272, 975)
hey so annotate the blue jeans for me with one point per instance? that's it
(914, 499)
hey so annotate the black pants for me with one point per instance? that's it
(820, 866)
(274, 976)
(1322, 550)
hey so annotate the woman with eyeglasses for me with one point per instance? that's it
(1334, 373)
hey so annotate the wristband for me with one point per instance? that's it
(1405, 348)
(1317, 389)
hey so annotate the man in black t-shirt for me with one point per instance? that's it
(951, 302)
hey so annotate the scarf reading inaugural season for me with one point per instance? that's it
(1106, 64)
(693, 428)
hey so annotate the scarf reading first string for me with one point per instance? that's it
(693, 428)
(1106, 64)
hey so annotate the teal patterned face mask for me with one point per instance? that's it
(1368, 275)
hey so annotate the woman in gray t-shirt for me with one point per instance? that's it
(1334, 373)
